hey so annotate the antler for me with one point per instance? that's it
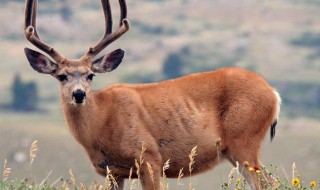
(110, 36)
(31, 31)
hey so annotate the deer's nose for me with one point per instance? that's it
(79, 96)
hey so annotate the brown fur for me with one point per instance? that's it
(169, 118)
(172, 117)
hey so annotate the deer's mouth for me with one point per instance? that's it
(78, 103)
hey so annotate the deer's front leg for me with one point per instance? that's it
(119, 186)
(150, 176)
(150, 169)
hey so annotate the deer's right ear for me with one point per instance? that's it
(40, 62)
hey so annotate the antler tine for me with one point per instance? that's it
(31, 12)
(31, 31)
(108, 16)
(110, 36)
(123, 8)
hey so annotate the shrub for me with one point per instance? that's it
(24, 94)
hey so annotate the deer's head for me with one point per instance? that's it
(75, 76)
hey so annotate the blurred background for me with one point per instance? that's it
(168, 38)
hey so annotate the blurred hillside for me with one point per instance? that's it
(278, 39)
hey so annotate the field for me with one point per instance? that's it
(289, 146)
(278, 39)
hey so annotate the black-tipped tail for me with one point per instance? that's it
(273, 130)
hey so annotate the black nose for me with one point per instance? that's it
(79, 96)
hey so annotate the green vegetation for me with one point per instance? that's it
(173, 66)
(25, 95)
(309, 40)
(22, 185)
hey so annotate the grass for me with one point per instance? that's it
(296, 141)
(235, 180)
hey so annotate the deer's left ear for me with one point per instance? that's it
(108, 62)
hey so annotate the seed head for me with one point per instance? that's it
(218, 142)
(245, 164)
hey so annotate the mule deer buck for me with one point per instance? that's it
(169, 117)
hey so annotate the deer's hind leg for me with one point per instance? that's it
(241, 156)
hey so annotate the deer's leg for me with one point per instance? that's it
(151, 172)
(271, 181)
(151, 181)
(241, 155)
(251, 177)
(120, 185)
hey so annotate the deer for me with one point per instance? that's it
(168, 118)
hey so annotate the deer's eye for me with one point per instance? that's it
(62, 78)
(90, 77)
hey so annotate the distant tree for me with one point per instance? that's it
(65, 11)
(25, 95)
(173, 66)
(307, 39)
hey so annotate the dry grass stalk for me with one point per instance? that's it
(179, 178)
(33, 151)
(132, 182)
(231, 174)
(166, 166)
(138, 170)
(130, 175)
(6, 171)
(218, 145)
(191, 158)
(107, 182)
(141, 161)
(293, 170)
(56, 181)
(151, 173)
(164, 184)
(46, 178)
(114, 181)
(192, 155)
(73, 179)
(94, 186)
(110, 180)
(64, 185)
(143, 149)
(82, 186)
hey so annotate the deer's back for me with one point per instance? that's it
(175, 115)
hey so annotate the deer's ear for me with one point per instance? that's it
(108, 62)
(40, 62)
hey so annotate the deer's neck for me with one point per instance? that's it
(80, 119)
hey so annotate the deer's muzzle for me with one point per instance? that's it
(79, 96)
